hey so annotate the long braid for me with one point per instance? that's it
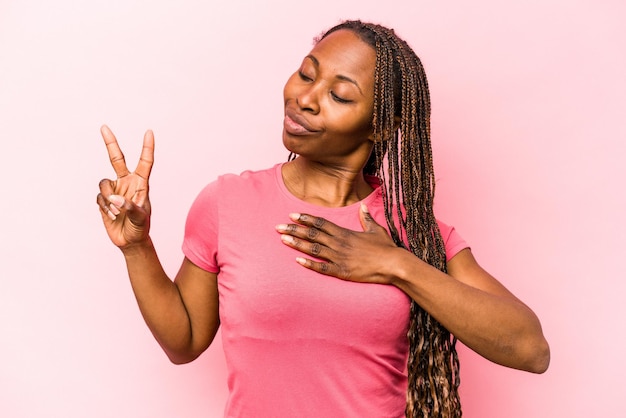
(402, 158)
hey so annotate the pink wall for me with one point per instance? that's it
(529, 104)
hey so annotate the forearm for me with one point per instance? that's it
(497, 326)
(160, 302)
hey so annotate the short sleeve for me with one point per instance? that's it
(452, 240)
(201, 230)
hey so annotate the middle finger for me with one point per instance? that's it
(310, 234)
(305, 246)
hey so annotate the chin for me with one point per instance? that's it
(289, 144)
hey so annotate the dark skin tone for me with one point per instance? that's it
(328, 107)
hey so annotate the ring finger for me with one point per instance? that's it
(314, 249)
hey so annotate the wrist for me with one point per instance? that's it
(404, 267)
(138, 248)
(396, 261)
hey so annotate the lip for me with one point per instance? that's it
(296, 124)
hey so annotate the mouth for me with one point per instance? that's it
(295, 124)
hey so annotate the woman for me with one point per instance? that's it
(326, 335)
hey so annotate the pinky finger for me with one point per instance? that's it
(111, 215)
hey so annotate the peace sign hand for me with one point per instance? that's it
(124, 203)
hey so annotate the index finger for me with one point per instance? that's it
(318, 223)
(115, 153)
(146, 159)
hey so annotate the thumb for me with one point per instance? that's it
(367, 222)
(135, 213)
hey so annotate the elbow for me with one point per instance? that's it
(542, 359)
(537, 358)
(181, 358)
(187, 352)
(182, 354)
(179, 362)
(530, 354)
(535, 350)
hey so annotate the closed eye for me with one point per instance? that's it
(339, 99)
(304, 77)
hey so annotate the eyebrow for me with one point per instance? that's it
(339, 76)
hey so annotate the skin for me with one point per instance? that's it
(332, 95)
(328, 107)
(182, 314)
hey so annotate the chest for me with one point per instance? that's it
(265, 294)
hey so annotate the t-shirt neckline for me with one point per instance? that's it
(373, 181)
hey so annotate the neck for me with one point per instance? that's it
(325, 185)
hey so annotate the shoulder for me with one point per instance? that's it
(250, 178)
(452, 240)
(243, 183)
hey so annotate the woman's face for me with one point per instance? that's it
(329, 101)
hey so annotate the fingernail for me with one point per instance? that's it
(364, 208)
(114, 209)
(287, 239)
(111, 215)
(301, 260)
(281, 227)
(117, 200)
(294, 216)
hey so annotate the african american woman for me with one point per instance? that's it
(338, 292)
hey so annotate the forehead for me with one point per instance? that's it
(344, 51)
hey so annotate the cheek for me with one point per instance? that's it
(355, 121)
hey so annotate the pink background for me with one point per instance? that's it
(529, 101)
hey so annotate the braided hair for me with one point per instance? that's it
(402, 159)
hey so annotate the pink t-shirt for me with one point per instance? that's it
(297, 343)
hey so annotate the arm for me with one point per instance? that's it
(182, 315)
(468, 301)
(476, 308)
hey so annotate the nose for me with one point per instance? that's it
(307, 98)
